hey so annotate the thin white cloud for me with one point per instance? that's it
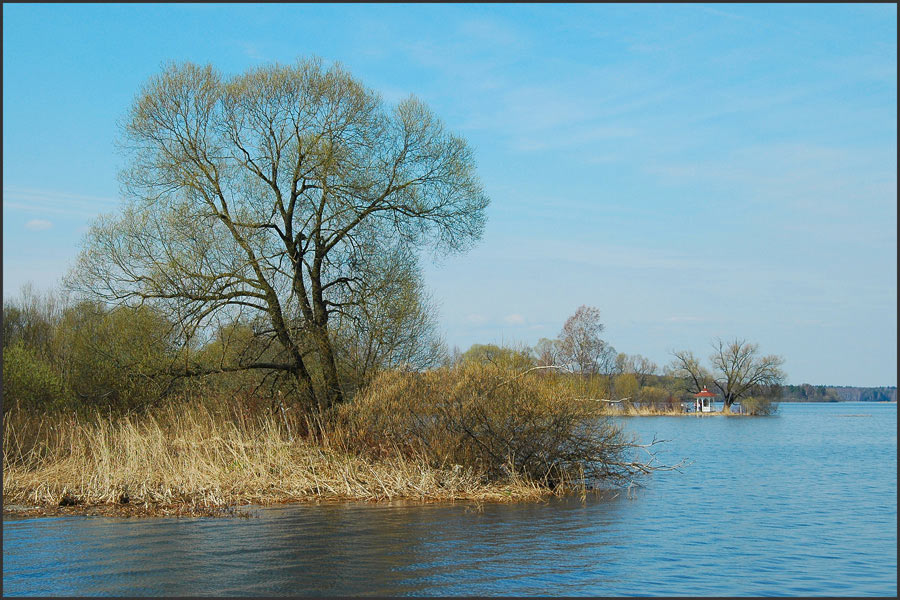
(38, 225)
(252, 50)
(50, 201)
(492, 31)
(515, 319)
(727, 15)
(476, 319)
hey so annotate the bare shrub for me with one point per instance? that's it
(759, 406)
(493, 420)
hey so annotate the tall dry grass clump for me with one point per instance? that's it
(206, 454)
(495, 421)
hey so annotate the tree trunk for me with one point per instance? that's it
(333, 393)
(305, 386)
(726, 405)
(301, 374)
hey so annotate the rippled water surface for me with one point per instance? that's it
(803, 503)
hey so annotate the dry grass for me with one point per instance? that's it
(653, 411)
(472, 433)
(197, 456)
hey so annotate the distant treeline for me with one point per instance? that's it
(827, 393)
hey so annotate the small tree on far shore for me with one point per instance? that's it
(738, 371)
(687, 368)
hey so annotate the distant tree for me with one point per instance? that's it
(643, 368)
(113, 357)
(580, 345)
(501, 356)
(545, 353)
(630, 375)
(32, 318)
(454, 357)
(30, 380)
(738, 371)
(627, 388)
(687, 368)
(606, 361)
(394, 328)
(277, 192)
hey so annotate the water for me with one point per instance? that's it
(800, 504)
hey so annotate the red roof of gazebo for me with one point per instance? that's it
(704, 393)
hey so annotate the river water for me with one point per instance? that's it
(802, 503)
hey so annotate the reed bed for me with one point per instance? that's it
(190, 455)
(472, 433)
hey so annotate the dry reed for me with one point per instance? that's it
(194, 455)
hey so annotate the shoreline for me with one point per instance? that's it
(513, 490)
(238, 509)
(17, 511)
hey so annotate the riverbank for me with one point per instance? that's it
(198, 463)
(85, 502)
(498, 495)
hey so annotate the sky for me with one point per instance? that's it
(693, 171)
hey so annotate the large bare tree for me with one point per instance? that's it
(278, 191)
(738, 370)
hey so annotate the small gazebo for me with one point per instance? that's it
(703, 401)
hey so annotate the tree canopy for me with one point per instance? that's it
(580, 346)
(289, 192)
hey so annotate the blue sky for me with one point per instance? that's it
(691, 170)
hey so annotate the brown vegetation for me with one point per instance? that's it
(474, 433)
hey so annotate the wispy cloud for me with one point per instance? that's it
(38, 225)
(492, 31)
(841, 188)
(41, 202)
(725, 14)
(252, 50)
(575, 137)
(515, 319)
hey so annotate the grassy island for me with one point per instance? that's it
(472, 433)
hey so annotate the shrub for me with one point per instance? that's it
(507, 358)
(759, 405)
(31, 381)
(492, 420)
(114, 358)
(627, 388)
